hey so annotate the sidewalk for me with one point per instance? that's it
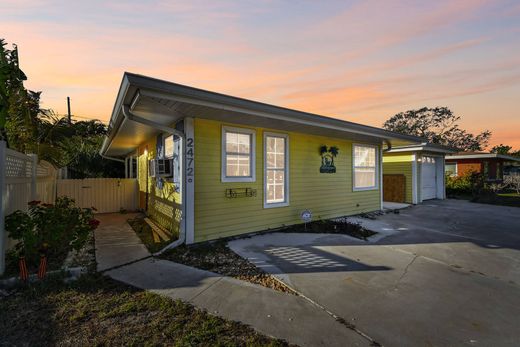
(116, 241)
(273, 313)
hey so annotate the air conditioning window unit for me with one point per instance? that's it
(161, 168)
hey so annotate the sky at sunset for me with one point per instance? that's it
(361, 61)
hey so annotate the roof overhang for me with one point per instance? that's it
(423, 147)
(165, 103)
(483, 156)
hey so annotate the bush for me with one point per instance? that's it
(50, 229)
(471, 183)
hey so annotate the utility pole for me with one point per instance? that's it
(68, 110)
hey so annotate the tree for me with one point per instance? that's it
(19, 107)
(505, 149)
(437, 125)
(30, 129)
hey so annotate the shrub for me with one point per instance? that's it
(472, 183)
(50, 229)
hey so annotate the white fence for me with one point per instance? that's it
(22, 179)
(105, 194)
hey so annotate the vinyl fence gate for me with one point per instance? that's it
(105, 194)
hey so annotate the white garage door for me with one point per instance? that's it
(428, 178)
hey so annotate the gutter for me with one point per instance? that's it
(132, 117)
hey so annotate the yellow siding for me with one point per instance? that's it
(326, 195)
(163, 204)
(400, 163)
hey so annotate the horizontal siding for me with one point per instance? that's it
(164, 205)
(398, 163)
(326, 195)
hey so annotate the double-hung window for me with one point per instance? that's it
(365, 164)
(238, 155)
(276, 163)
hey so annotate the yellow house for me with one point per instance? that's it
(412, 174)
(211, 165)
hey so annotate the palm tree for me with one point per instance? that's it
(333, 150)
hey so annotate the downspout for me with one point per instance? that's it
(388, 144)
(172, 131)
(389, 147)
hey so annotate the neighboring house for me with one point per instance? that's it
(248, 166)
(491, 165)
(412, 174)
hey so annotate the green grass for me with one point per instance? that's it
(96, 310)
(514, 195)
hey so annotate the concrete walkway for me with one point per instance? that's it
(116, 241)
(273, 313)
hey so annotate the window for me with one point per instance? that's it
(238, 155)
(486, 169)
(168, 147)
(450, 169)
(365, 167)
(276, 170)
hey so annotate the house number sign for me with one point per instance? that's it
(189, 159)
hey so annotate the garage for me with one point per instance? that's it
(429, 178)
(412, 174)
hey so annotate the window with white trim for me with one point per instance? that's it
(276, 169)
(238, 155)
(365, 167)
(450, 169)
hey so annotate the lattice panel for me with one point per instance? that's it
(18, 167)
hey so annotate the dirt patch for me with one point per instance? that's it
(144, 232)
(96, 310)
(336, 226)
(217, 257)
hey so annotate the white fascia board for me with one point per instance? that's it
(419, 149)
(483, 156)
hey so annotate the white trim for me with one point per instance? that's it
(252, 151)
(188, 191)
(419, 149)
(415, 180)
(376, 186)
(482, 156)
(440, 174)
(286, 170)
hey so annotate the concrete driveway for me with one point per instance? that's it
(444, 273)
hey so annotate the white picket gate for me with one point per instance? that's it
(105, 194)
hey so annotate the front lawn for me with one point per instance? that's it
(96, 310)
(502, 199)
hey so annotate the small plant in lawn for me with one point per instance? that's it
(49, 230)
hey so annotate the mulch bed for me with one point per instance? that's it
(217, 257)
(98, 311)
(336, 226)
